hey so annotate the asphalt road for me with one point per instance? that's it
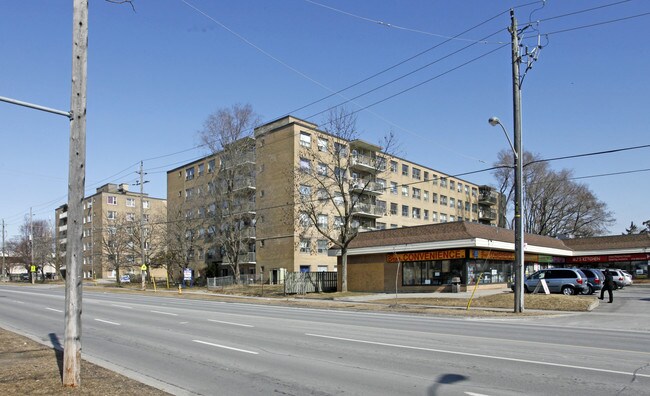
(213, 348)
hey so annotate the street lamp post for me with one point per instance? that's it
(519, 226)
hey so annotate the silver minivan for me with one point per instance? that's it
(567, 281)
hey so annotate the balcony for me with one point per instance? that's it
(243, 258)
(367, 163)
(244, 183)
(63, 215)
(247, 158)
(362, 186)
(63, 228)
(368, 210)
(487, 215)
(488, 198)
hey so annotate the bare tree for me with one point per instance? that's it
(230, 195)
(181, 234)
(153, 231)
(41, 241)
(553, 203)
(332, 188)
(117, 242)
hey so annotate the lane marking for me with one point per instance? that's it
(183, 322)
(480, 355)
(121, 306)
(225, 347)
(107, 321)
(55, 310)
(230, 323)
(164, 313)
(475, 394)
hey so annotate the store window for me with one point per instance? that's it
(431, 273)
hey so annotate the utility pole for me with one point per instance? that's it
(4, 266)
(144, 266)
(31, 246)
(516, 109)
(76, 185)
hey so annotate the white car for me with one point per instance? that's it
(628, 278)
(125, 279)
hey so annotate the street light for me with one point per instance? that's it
(519, 228)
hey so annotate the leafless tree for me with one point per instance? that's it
(331, 193)
(41, 240)
(230, 194)
(553, 203)
(117, 242)
(181, 234)
(153, 231)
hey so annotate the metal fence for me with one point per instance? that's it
(310, 282)
(225, 281)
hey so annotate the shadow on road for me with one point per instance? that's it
(445, 379)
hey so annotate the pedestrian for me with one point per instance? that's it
(609, 285)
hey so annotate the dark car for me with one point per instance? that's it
(595, 280)
(567, 281)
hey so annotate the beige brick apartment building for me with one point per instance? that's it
(400, 193)
(111, 226)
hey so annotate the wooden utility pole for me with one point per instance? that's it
(31, 247)
(4, 266)
(144, 267)
(76, 186)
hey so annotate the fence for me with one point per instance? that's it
(225, 281)
(310, 282)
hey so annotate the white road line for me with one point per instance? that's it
(107, 321)
(164, 313)
(481, 356)
(55, 310)
(226, 347)
(230, 323)
(121, 306)
(474, 394)
(18, 302)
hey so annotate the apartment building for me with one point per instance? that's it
(111, 231)
(389, 192)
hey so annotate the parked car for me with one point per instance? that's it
(595, 280)
(628, 278)
(619, 278)
(125, 279)
(567, 281)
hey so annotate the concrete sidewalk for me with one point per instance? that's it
(460, 295)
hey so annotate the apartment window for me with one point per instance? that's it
(443, 182)
(434, 198)
(434, 179)
(405, 210)
(452, 185)
(417, 193)
(145, 204)
(474, 192)
(393, 208)
(340, 149)
(211, 166)
(189, 173)
(130, 217)
(405, 170)
(322, 221)
(338, 221)
(475, 208)
(393, 188)
(443, 218)
(338, 199)
(130, 202)
(425, 215)
(304, 219)
(321, 194)
(393, 166)
(322, 169)
(459, 204)
(434, 216)
(305, 139)
(443, 200)
(111, 200)
(460, 187)
(416, 173)
(322, 144)
(321, 245)
(111, 215)
(393, 225)
(87, 232)
(145, 217)
(466, 206)
(381, 184)
(305, 191)
(305, 165)
(189, 193)
(416, 213)
(304, 246)
(201, 169)
(380, 226)
(405, 191)
(426, 175)
(452, 202)
(381, 206)
(452, 218)
(425, 195)
(339, 173)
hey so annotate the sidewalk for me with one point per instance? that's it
(461, 295)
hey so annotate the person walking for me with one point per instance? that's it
(609, 285)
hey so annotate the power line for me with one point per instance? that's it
(597, 24)
(589, 154)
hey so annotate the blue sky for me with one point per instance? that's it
(154, 75)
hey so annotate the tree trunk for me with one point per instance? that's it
(344, 270)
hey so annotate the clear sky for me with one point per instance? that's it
(155, 74)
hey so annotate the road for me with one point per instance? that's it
(207, 348)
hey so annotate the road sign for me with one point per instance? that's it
(33, 269)
(144, 267)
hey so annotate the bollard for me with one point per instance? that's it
(180, 290)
